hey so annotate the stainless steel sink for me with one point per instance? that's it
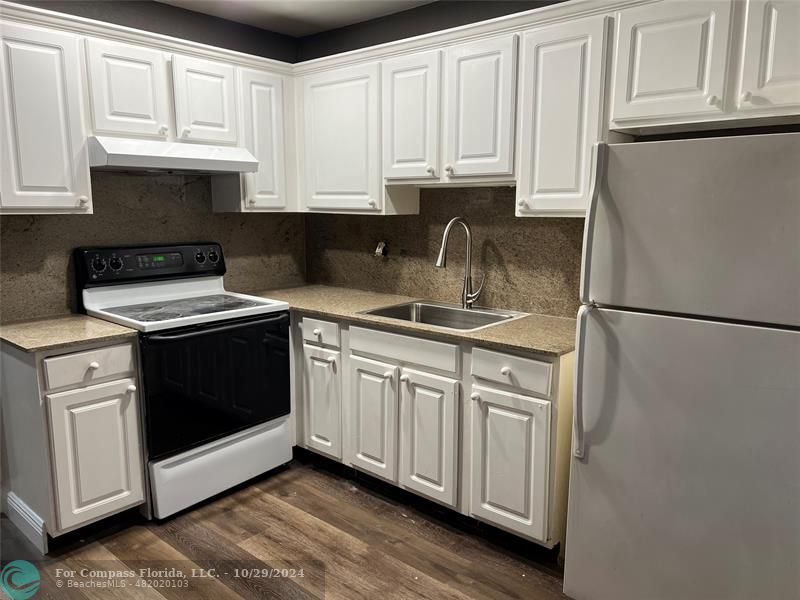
(448, 316)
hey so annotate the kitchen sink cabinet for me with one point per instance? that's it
(129, 89)
(71, 420)
(498, 452)
(562, 76)
(44, 157)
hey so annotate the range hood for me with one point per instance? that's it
(124, 154)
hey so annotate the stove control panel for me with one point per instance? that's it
(109, 265)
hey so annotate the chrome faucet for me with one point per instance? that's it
(468, 297)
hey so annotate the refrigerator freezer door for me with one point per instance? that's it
(705, 227)
(690, 483)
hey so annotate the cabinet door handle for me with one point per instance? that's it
(522, 203)
(251, 201)
(405, 378)
(94, 365)
(163, 130)
(475, 396)
(331, 360)
(430, 170)
(505, 371)
(448, 169)
(388, 375)
(372, 203)
(747, 96)
(186, 131)
(131, 389)
(83, 200)
(712, 100)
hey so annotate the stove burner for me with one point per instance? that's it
(185, 307)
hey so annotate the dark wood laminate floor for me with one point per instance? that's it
(347, 538)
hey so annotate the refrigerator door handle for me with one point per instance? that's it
(577, 398)
(599, 159)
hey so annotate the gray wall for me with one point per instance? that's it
(423, 19)
(185, 24)
(180, 23)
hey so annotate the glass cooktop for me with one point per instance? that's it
(185, 307)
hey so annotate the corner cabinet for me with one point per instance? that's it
(560, 115)
(479, 101)
(71, 419)
(45, 159)
(341, 134)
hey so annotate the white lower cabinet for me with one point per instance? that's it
(500, 455)
(322, 401)
(429, 435)
(510, 442)
(97, 460)
(373, 417)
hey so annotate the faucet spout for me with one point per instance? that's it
(468, 297)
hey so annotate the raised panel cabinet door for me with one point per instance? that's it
(671, 62)
(771, 67)
(562, 74)
(96, 451)
(205, 100)
(510, 461)
(342, 139)
(410, 86)
(373, 417)
(480, 95)
(322, 401)
(128, 89)
(261, 96)
(429, 435)
(45, 159)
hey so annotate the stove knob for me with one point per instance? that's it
(115, 264)
(213, 256)
(200, 258)
(99, 264)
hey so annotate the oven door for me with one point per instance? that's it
(205, 382)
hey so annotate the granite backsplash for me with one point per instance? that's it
(531, 264)
(36, 270)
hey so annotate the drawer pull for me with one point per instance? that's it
(317, 332)
(131, 389)
(505, 371)
(475, 396)
(94, 365)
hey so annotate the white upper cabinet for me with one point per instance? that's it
(261, 97)
(205, 100)
(45, 161)
(411, 116)
(671, 62)
(128, 88)
(560, 115)
(771, 68)
(373, 417)
(479, 100)
(429, 435)
(342, 139)
(510, 438)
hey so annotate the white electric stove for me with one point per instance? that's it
(214, 366)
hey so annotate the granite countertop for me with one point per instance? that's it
(62, 332)
(544, 334)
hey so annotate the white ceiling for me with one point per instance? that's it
(297, 17)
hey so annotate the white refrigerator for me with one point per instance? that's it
(685, 480)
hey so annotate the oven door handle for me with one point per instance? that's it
(175, 337)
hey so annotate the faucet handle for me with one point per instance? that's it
(474, 295)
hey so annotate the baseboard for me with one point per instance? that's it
(28, 522)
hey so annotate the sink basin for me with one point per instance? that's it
(448, 316)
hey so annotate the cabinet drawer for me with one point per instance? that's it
(405, 349)
(82, 368)
(524, 373)
(320, 332)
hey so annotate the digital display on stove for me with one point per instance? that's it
(159, 261)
